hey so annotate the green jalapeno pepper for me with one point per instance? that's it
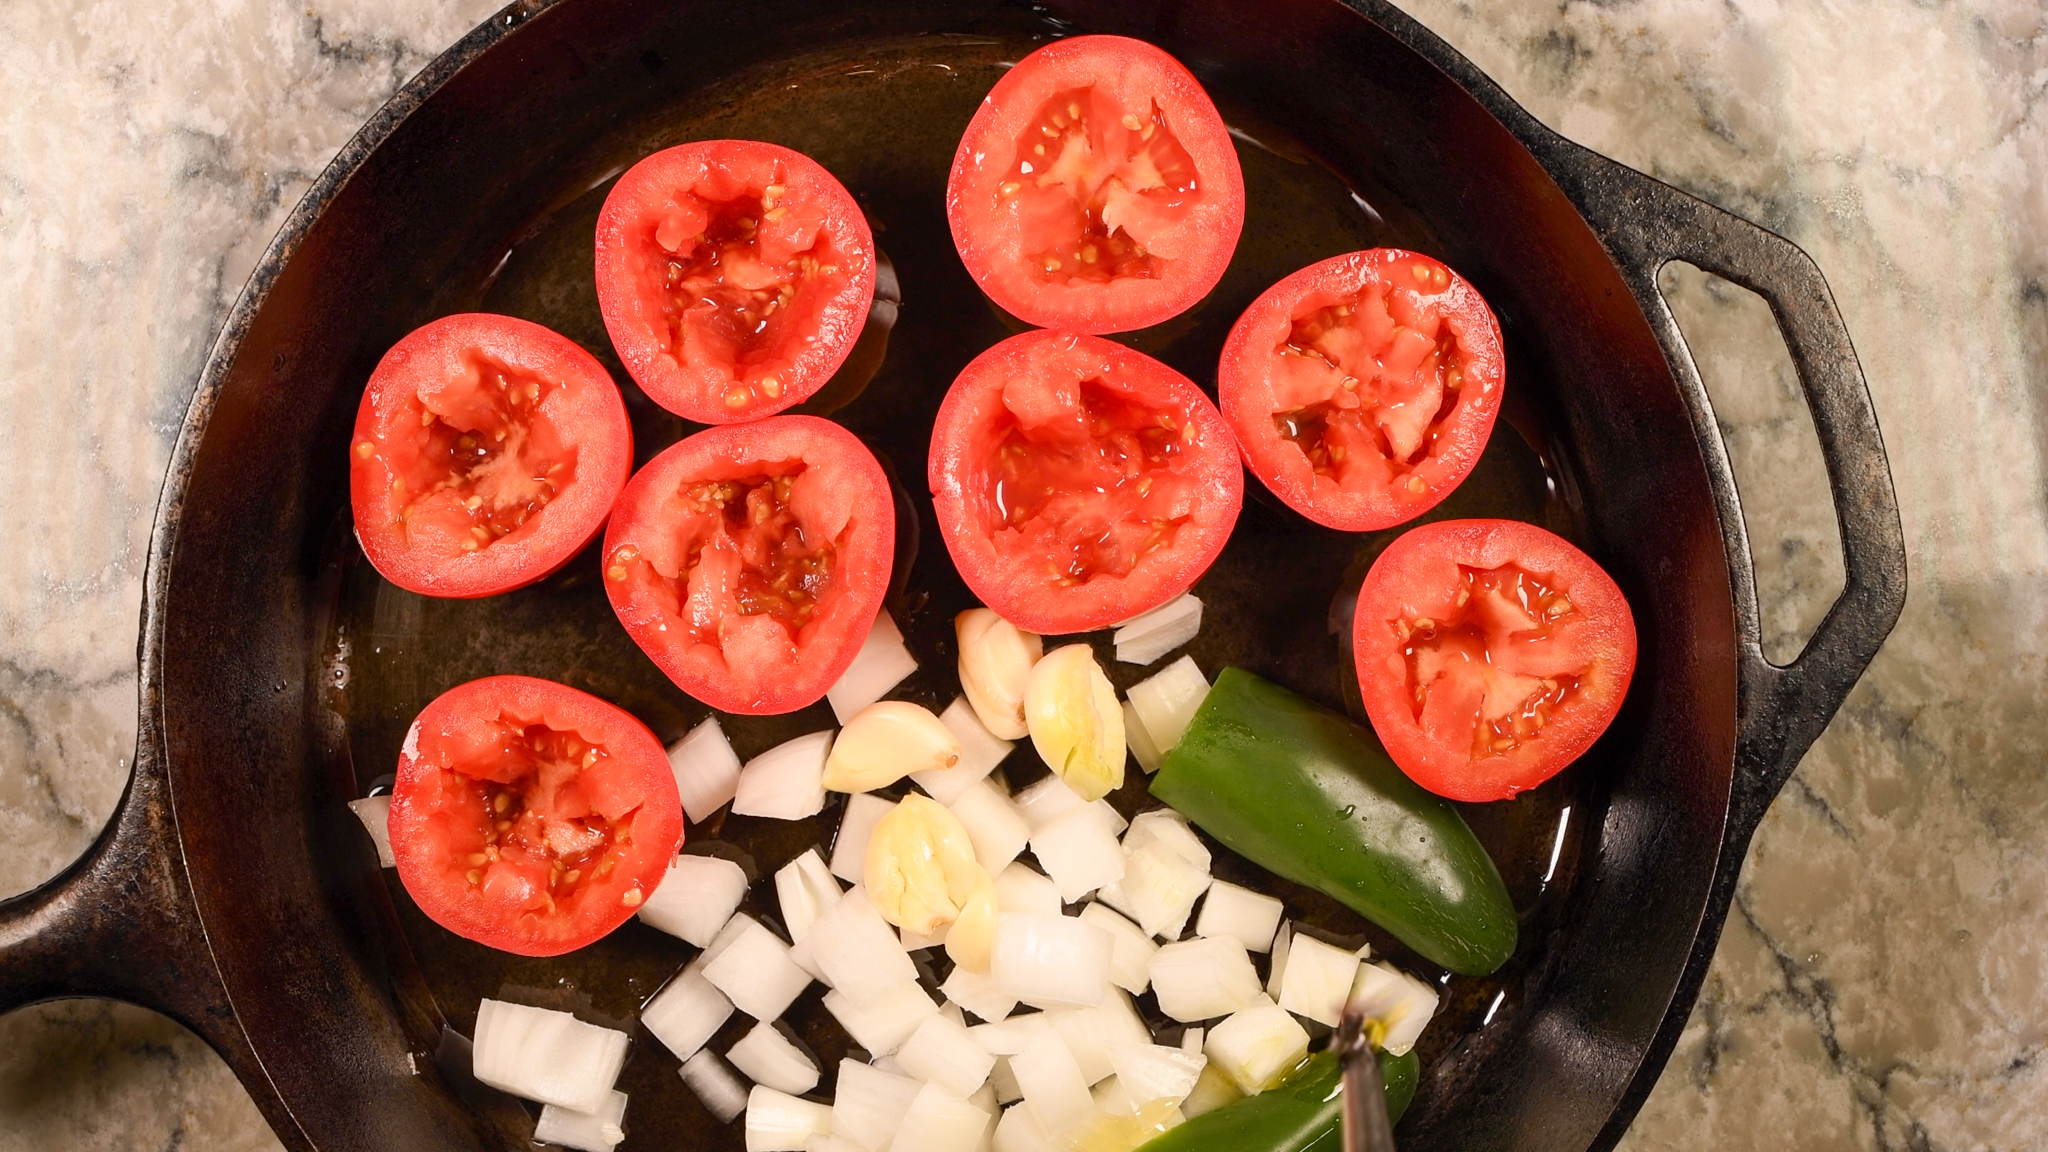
(1302, 1112)
(1305, 793)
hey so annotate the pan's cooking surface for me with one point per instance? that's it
(885, 117)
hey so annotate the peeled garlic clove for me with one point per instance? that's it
(885, 742)
(920, 869)
(1076, 722)
(972, 939)
(995, 662)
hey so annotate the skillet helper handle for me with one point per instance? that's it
(1645, 224)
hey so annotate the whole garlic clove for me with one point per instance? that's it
(996, 658)
(886, 741)
(921, 870)
(1076, 721)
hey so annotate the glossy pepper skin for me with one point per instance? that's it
(1302, 1112)
(1303, 792)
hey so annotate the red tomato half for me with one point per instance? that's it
(734, 277)
(1490, 654)
(1096, 189)
(487, 452)
(1362, 389)
(531, 817)
(1079, 483)
(749, 561)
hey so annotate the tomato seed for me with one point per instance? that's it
(366, 450)
(632, 898)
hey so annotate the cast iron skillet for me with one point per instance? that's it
(233, 890)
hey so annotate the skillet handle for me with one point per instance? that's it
(1645, 224)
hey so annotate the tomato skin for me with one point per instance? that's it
(758, 666)
(827, 313)
(994, 233)
(1004, 570)
(584, 417)
(1255, 382)
(439, 819)
(1421, 574)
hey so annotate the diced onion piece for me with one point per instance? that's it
(1008, 1037)
(1140, 740)
(686, 1013)
(1168, 700)
(695, 898)
(779, 1122)
(768, 1057)
(1257, 1046)
(1131, 950)
(707, 770)
(1019, 1131)
(1047, 800)
(998, 830)
(757, 975)
(375, 813)
(1401, 1004)
(1091, 1033)
(598, 1131)
(1019, 889)
(787, 782)
(1203, 978)
(859, 951)
(886, 741)
(978, 993)
(1213, 1089)
(980, 752)
(1111, 1099)
(870, 1103)
(1051, 961)
(850, 847)
(804, 888)
(1149, 635)
(733, 930)
(1229, 910)
(714, 1084)
(1075, 721)
(940, 1121)
(919, 941)
(996, 658)
(942, 1053)
(1003, 1082)
(879, 666)
(1051, 1082)
(1191, 1041)
(888, 1021)
(1282, 946)
(1161, 886)
(1079, 853)
(1164, 825)
(545, 1055)
(833, 1143)
(1318, 979)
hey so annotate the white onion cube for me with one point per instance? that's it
(1048, 800)
(707, 770)
(978, 993)
(1165, 826)
(1229, 910)
(1131, 951)
(1150, 1072)
(598, 1131)
(939, 1121)
(1318, 979)
(881, 664)
(779, 1122)
(980, 753)
(375, 813)
(1051, 961)
(1165, 703)
(1090, 1033)
(1019, 889)
(887, 1022)
(919, 942)
(721, 1092)
(942, 1053)
(1203, 978)
(804, 889)
(1019, 1131)
(1051, 1082)
(1140, 740)
(1397, 1000)
(1257, 1046)
(850, 848)
(695, 898)
(860, 953)
(1282, 946)
(1191, 1041)
(768, 1057)
(545, 1055)
(787, 782)
(1161, 885)
(757, 975)
(686, 1013)
(1007, 1037)
(1079, 853)
(1149, 635)
(869, 1103)
(997, 830)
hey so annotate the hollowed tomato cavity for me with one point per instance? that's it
(1088, 486)
(1490, 666)
(1367, 384)
(525, 822)
(487, 462)
(1097, 186)
(743, 274)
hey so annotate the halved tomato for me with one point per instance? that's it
(1363, 388)
(1079, 483)
(749, 561)
(487, 452)
(1491, 654)
(1096, 188)
(734, 277)
(531, 817)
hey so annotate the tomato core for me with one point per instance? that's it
(1463, 658)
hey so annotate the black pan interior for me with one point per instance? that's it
(292, 670)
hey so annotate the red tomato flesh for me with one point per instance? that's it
(1079, 483)
(734, 277)
(1363, 388)
(531, 817)
(1490, 654)
(1096, 189)
(487, 452)
(749, 561)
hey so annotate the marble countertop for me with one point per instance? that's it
(1883, 980)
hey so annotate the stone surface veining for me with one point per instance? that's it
(1883, 980)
